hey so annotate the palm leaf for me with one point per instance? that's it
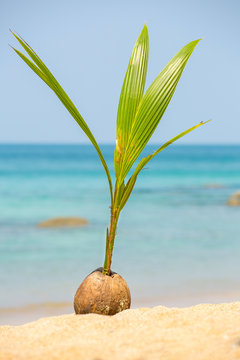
(131, 94)
(44, 73)
(131, 182)
(153, 106)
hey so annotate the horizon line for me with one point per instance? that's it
(109, 144)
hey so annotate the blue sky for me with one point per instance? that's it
(87, 46)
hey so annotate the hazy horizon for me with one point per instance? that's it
(151, 144)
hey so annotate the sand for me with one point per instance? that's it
(199, 332)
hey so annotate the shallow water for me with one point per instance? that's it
(177, 241)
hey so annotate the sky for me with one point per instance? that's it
(87, 46)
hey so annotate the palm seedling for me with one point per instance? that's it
(137, 118)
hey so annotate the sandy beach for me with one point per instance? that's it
(21, 315)
(199, 332)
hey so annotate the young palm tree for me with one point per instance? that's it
(138, 116)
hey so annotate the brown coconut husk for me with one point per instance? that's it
(102, 294)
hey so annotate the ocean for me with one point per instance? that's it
(177, 242)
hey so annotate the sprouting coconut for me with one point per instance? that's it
(103, 291)
(102, 294)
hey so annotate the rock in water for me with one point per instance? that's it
(214, 186)
(234, 200)
(102, 294)
(63, 222)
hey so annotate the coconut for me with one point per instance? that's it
(102, 294)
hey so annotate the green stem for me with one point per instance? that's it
(110, 237)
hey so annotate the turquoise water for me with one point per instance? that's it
(176, 238)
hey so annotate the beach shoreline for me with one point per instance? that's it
(183, 249)
(20, 315)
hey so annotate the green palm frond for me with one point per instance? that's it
(131, 182)
(44, 73)
(137, 118)
(131, 94)
(152, 107)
